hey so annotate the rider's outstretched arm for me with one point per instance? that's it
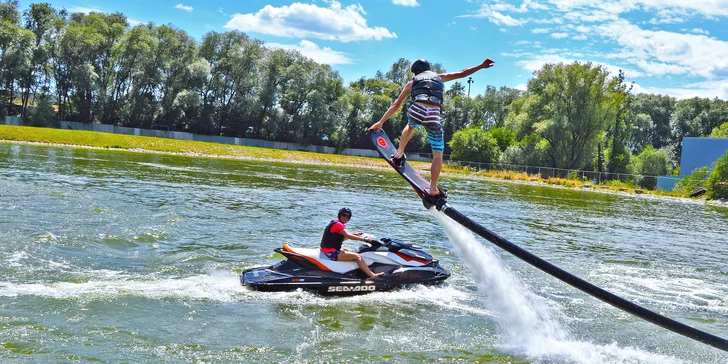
(467, 71)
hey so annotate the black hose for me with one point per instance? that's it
(585, 286)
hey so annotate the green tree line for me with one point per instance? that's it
(97, 68)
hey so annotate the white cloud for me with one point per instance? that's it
(406, 2)
(698, 31)
(186, 8)
(667, 20)
(659, 68)
(538, 62)
(497, 17)
(299, 20)
(703, 90)
(704, 8)
(646, 45)
(700, 55)
(589, 16)
(311, 50)
(133, 22)
(80, 9)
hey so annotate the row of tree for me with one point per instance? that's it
(96, 68)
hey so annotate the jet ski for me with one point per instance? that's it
(403, 265)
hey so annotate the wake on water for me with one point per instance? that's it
(523, 317)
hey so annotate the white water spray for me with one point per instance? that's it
(523, 316)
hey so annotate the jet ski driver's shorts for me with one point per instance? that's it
(419, 116)
(331, 253)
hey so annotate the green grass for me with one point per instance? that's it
(150, 144)
(140, 143)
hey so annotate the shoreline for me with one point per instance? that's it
(376, 164)
(232, 152)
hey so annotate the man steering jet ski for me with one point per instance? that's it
(334, 235)
(385, 265)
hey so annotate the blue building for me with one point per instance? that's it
(696, 153)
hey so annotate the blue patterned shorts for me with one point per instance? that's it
(334, 255)
(419, 116)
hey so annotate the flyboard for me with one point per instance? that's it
(386, 150)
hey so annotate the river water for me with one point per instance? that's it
(130, 257)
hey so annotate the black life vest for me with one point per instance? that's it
(427, 87)
(332, 240)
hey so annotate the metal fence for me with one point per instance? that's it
(649, 182)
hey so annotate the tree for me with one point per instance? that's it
(133, 53)
(474, 144)
(40, 19)
(618, 131)
(717, 184)
(231, 90)
(504, 136)
(720, 131)
(697, 117)
(651, 162)
(568, 106)
(16, 52)
(643, 132)
(399, 73)
(658, 132)
(41, 113)
(176, 52)
(495, 105)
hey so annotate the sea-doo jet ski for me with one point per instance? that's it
(403, 264)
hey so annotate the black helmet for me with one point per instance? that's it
(420, 65)
(344, 210)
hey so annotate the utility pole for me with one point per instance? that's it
(470, 80)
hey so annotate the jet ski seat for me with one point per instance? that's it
(315, 255)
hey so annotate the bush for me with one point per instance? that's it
(530, 151)
(41, 113)
(720, 131)
(650, 162)
(503, 136)
(688, 184)
(717, 184)
(513, 155)
(474, 144)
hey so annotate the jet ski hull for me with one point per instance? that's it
(289, 275)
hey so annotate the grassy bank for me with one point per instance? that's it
(162, 145)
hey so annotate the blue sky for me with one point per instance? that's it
(671, 47)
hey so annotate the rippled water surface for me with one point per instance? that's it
(117, 256)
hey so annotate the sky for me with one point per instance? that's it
(668, 47)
